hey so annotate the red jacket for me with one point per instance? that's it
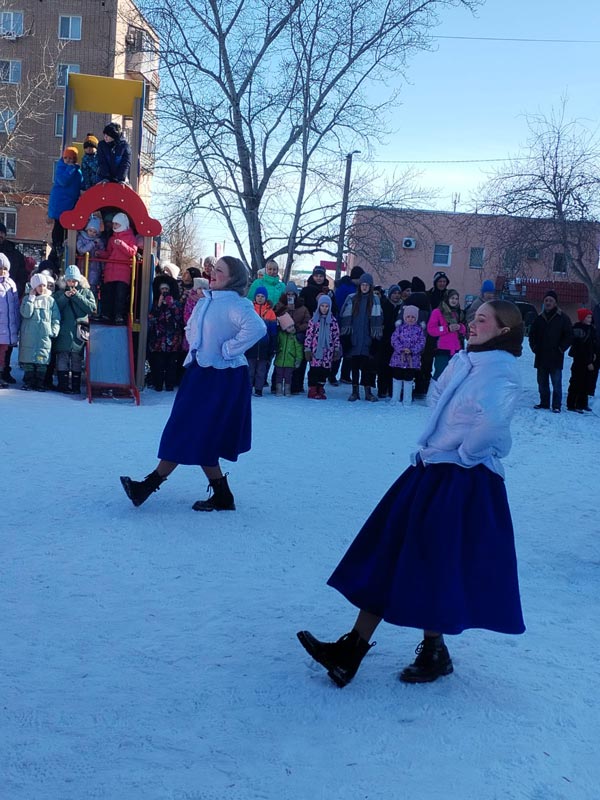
(119, 257)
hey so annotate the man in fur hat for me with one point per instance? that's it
(550, 337)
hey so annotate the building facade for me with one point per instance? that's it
(522, 257)
(41, 41)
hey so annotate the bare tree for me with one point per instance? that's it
(181, 232)
(24, 106)
(550, 194)
(265, 97)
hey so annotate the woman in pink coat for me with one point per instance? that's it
(446, 324)
(119, 253)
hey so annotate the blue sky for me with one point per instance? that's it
(468, 98)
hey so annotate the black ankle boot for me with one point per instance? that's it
(221, 498)
(432, 661)
(7, 376)
(63, 382)
(341, 659)
(76, 382)
(139, 491)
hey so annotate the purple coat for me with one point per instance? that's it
(407, 337)
(10, 316)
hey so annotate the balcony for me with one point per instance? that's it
(143, 66)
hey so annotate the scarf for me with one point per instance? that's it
(511, 342)
(324, 339)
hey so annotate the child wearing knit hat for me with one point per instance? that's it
(408, 341)
(89, 162)
(64, 194)
(583, 352)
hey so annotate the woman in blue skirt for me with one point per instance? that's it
(211, 416)
(438, 551)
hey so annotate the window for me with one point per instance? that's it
(59, 124)
(69, 27)
(10, 72)
(11, 23)
(476, 258)
(386, 250)
(8, 120)
(8, 216)
(560, 263)
(442, 254)
(7, 168)
(62, 72)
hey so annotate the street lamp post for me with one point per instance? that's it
(342, 234)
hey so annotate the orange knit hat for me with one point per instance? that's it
(71, 151)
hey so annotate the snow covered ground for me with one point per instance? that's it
(150, 654)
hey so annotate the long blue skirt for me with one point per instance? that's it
(437, 553)
(211, 417)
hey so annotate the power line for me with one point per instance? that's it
(453, 161)
(512, 39)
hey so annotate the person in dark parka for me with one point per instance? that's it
(550, 337)
(583, 353)
(114, 155)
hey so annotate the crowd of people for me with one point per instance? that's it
(388, 343)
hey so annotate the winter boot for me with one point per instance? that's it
(7, 377)
(312, 393)
(63, 382)
(354, 396)
(341, 659)
(37, 381)
(408, 391)
(278, 390)
(396, 392)
(139, 491)
(287, 390)
(369, 395)
(321, 392)
(432, 661)
(221, 498)
(76, 382)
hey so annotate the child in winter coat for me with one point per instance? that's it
(114, 155)
(289, 355)
(89, 162)
(361, 321)
(165, 332)
(40, 322)
(75, 302)
(10, 319)
(583, 352)
(291, 303)
(408, 341)
(64, 194)
(321, 347)
(119, 253)
(88, 241)
(446, 324)
(260, 354)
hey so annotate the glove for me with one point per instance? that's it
(296, 364)
(308, 355)
(336, 354)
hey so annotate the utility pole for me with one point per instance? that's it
(342, 235)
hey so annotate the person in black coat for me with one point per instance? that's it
(550, 337)
(583, 353)
(114, 156)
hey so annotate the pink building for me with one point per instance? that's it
(521, 256)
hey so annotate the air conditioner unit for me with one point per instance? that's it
(533, 255)
(409, 244)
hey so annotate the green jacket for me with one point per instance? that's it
(40, 322)
(289, 350)
(72, 309)
(275, 288)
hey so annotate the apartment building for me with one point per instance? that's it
(523, 257)
(41, 41)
